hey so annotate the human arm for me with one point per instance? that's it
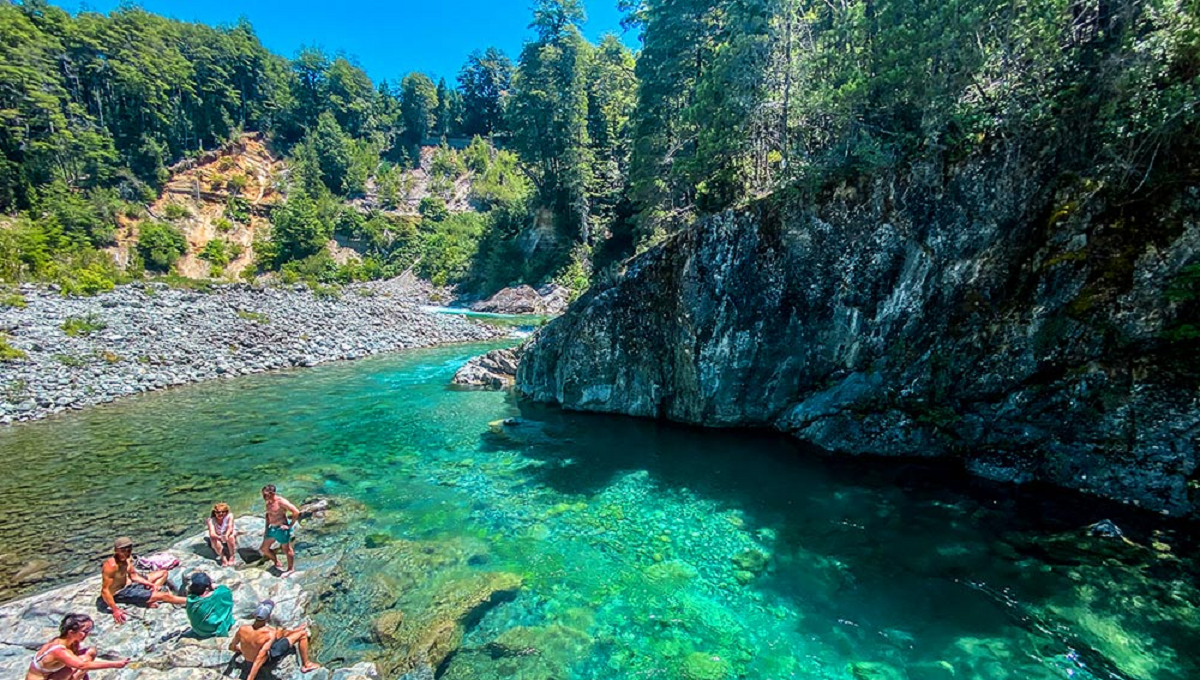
(82, 663)
(107, 575)
(211, 526)
(290, 508)
(259, 660)
(235, 643)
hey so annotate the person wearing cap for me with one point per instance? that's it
(264, 645)
(121, 583)
(209, 609)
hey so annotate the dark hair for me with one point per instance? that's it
(72, 623)
(269, 487)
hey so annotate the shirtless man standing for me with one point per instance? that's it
(120, 582)
(279, 528)
(261, 644)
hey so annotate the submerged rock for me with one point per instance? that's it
(426, 635)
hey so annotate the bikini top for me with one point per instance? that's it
(36, 664)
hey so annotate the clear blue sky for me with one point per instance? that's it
(388, 38)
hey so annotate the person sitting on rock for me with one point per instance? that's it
(63, 659)
(121, 582)
(209, 610)
(280, 529)
(222, 535)
(263, 645)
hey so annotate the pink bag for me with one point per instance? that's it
(157, 562)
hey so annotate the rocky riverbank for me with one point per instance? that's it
(76, 352)
(159, 641)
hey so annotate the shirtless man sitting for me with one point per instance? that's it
(121, 582)
(264, 645)
(280, 528)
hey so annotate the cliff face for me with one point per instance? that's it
(1025, 324)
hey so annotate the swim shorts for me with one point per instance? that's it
(280, 534)
(279, 649)
(134, 593)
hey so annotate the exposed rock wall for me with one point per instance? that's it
(989, 313)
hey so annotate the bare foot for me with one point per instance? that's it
(310, 667)
(285, 574)
(152, 605)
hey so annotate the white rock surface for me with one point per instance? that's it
(159, 640)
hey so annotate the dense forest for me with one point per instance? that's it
(585, 152)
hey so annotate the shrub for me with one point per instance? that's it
(8, 352)
(226, 163)
(237, 209)
(176, 211)
(237, 183)
(79, 326)
(12, 299)
(223, 225)
(433, 208)
(160, 245)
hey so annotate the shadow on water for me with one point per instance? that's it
(647, 541)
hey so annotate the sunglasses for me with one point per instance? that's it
(222, 512)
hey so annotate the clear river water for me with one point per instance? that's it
(646, 550)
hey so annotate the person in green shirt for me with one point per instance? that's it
(209, 610)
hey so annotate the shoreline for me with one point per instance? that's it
(146, 336)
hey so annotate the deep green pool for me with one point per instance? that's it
(647, 550)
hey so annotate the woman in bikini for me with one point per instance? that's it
(222, 535)
(63, 659)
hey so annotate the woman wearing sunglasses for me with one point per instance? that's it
(222, 535)
(63, 659)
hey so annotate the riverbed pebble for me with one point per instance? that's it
(147, 336)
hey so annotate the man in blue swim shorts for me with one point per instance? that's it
(282, 516)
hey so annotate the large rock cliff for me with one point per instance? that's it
(1031, 325)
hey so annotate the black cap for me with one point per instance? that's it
(200, 583)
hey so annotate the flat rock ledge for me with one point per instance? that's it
(159, 640)
(496, 370)
(147, 336)
(550, 299)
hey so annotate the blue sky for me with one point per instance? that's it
(387, 37)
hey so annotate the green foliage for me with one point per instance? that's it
(219, 253)
(484, 81)
(418, 106)
(70, 360)
(237, 209)
(448, 247)
(8, 353)
(176, 211)
(256, 317)
(298, 230)
(12, 299)
(160, 245)
(433, 209)
(81, 326)
(223, 225)
(237, 183)
(501, 183)
(444, 170)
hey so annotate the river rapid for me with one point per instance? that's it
(644, 549)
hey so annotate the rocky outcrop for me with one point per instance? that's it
(550, 299)
(495, 370)
(1036, 333)
(158, 640)
(78, 352)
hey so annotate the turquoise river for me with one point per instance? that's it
(645, 550)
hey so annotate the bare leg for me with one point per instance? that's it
(266, 551)
(218, 548)
(158, 578)
(290, 551)
(231, 543)
(299, 639)
(165, 596)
